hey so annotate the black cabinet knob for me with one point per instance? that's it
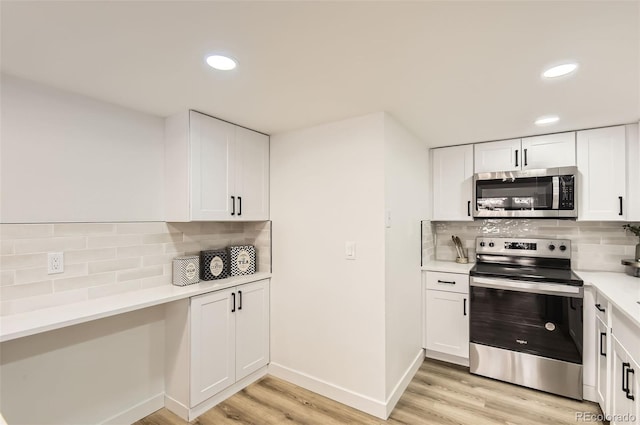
(552, 247)
(563, 248)
(491, 244)
(482, 244)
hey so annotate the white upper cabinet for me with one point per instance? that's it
(503, 155)
(452, 183)
(529, 153)
(215, 171)
(549, 151)
(633, 172)
(602, 178)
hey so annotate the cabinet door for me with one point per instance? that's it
(447, 323)
(212, 167)
(602, 365)
(624, 404)
(213, 341)
(252, 328)
(602, 169)
(549, 151)
(504, 155)
(252, 175)
(452, 183)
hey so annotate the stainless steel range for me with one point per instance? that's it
(525, 314)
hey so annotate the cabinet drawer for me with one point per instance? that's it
(452, 282)
(626, 332)
(601, 307)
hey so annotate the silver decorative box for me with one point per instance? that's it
(186, 270)
(242, 259)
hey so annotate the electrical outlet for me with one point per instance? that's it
(55, 262)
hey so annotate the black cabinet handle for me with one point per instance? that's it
(525, 157)
(233, 205)
(599, 307)
(446, 281)
(516, 157)
(233, 295)
(468, 208)
(464, 306)
(602, 353)
(240, 205)
(240, 303)
(629, 395)
(620, 199)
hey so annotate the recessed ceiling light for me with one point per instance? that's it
(547, 119)
(223, 63)
(560, 70)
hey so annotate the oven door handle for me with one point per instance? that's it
(524, 286)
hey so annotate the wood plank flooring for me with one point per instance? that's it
(439, 394)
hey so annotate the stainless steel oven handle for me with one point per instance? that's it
(531, 287)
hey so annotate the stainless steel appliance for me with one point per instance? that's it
(525, 314)
(529, 193)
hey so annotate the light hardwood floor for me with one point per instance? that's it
(439, 394)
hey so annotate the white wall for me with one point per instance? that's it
(91, 373)
(327, 313)
(406, 198)
(69, 158)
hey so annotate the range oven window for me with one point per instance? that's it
(538, 324)
(515, 194)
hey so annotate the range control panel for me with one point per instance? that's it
(550, 248)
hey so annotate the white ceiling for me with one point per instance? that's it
(451, 72)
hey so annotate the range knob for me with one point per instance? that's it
(563, 248)
(491, 244)
(552, 247)
(482, 244)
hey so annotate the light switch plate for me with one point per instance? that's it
(350, 250)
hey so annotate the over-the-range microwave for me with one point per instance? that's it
(542, 193)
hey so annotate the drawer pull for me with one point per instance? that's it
(448, 282)
(599, 307)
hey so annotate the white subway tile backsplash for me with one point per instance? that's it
(114, 241)
(12, 292)
(114, 265)
(103, 259)
(7, 277)
(141, 273)
(86, 255)
(7, 247)
(72, 283)
(595, 245)
(144, 228)
(75, 229)
(19, 231)
(40, 274)
(140, 250)
(24, 246)
(23, 261)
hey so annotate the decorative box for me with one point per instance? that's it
(214, 264)
(243, 259)
(186, 270)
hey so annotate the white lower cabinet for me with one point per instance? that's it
(625, 386)
(446, 316)
(603, 353)
(214, 341)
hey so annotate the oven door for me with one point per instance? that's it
(542, 319)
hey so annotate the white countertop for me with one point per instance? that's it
(619, 288)
(447, 266)
(30, 323)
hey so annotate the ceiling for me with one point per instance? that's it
(452, 72)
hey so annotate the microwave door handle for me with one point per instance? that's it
(555, 186)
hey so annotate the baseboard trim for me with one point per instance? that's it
(190, 414)
(137, 412)
(589, 393)
(462, 361)
(403, 383)
(342, 395)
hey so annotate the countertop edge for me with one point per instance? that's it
(30, 323)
